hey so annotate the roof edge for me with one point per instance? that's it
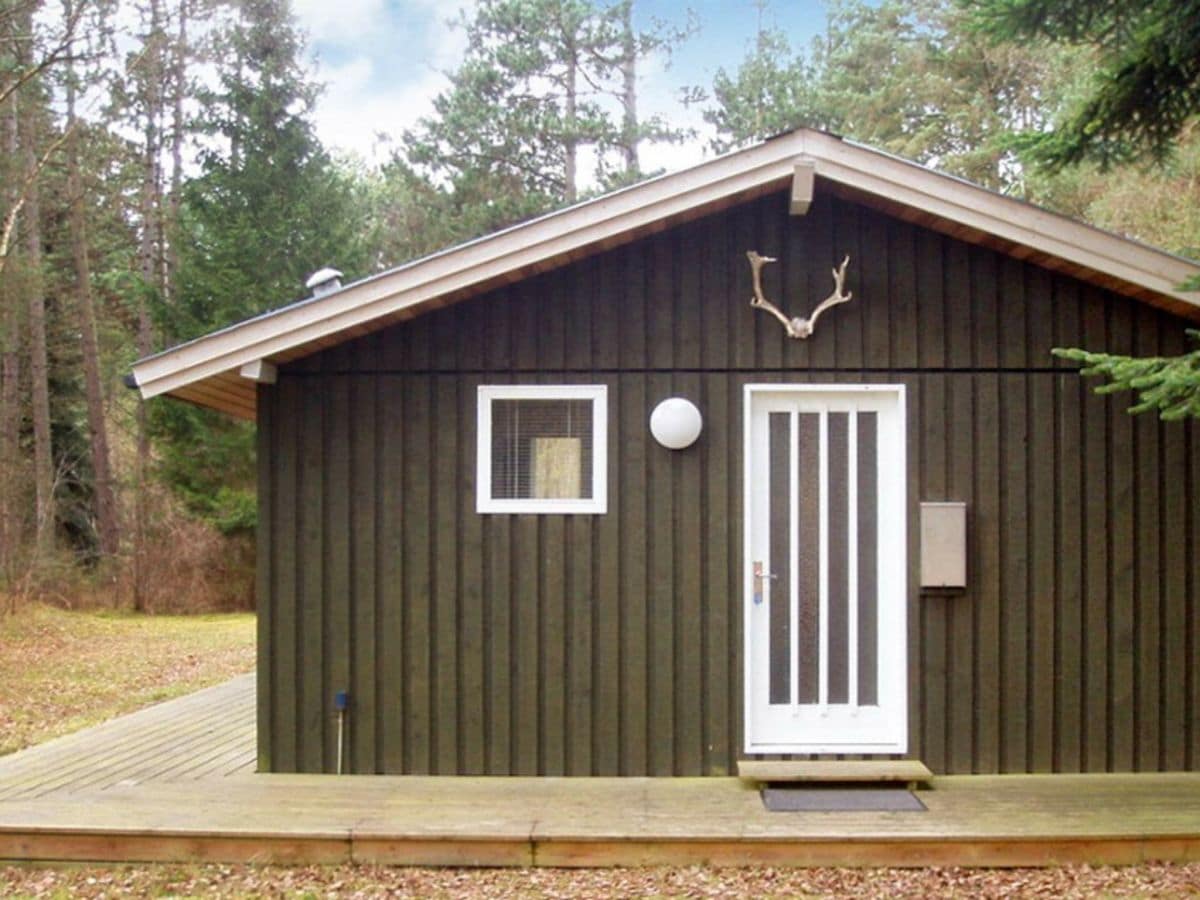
(460, 267)
(599, 221)
(1018, 221)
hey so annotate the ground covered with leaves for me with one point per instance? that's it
(63, 670)
(1068, 882)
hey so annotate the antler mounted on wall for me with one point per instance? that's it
(796, 327)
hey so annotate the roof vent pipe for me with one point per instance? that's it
(324, 281)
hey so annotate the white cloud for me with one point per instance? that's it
(381, 63)
(673, 157)
(339, 22)
(354, 109)
(659, 86)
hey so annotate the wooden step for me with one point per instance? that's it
(834, 770)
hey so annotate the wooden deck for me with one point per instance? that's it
(173, 783)
(206, 734)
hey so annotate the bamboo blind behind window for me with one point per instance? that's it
(541, 449)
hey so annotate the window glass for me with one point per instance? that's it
(541, 448)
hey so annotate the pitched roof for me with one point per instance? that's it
(207, 371)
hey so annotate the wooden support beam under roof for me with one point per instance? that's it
(803, 179)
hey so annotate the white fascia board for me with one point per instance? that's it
(523, 245)
(983, 210)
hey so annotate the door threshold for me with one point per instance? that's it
(834, 771)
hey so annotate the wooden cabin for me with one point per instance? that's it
(911, 534)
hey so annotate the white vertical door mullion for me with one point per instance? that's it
(852, 556)
(760, 636)
(793, 585)
(823, 555)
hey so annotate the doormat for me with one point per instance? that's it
(839, 798)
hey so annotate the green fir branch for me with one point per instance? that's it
(1169, 384)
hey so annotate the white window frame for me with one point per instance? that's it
(597, 503)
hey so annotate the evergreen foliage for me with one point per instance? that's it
(906, 77)
(1145, 85)
(770, 92)
(1169, 384)
(1144, 93)
(536, 97)
(268, 208)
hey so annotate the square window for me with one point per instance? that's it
(542, 449)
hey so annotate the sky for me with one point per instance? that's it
(383, 61)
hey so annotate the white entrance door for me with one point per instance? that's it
(825, 581)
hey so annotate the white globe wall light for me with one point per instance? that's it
(675, 423)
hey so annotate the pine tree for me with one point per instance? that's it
(542, 82)
(106, 514)
(770, 92)
(904, 77)
(1145, 83)
(267, 208)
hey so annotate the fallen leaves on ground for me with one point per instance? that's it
(62, 670)
(353, 881)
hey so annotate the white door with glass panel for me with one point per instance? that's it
(825, 581)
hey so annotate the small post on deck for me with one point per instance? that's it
(340, 702)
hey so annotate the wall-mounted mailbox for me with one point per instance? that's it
(943, 545)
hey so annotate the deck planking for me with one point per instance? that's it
(175, 783)
(211, 731)
(980, 820)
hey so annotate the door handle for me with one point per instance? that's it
(759, 575)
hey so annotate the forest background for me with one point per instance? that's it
(161, 177)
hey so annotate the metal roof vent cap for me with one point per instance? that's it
(325, 281)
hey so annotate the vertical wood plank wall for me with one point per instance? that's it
(611, 644)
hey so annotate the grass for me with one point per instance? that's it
(65, 670)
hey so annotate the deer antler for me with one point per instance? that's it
(839, 280)
(796, 327)
(758, 300)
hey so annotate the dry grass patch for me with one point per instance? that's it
(65, 670)
(351, 881)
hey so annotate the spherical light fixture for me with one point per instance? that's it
(675, 423)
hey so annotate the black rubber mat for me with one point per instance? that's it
(809, 798)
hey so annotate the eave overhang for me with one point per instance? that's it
(209, 371)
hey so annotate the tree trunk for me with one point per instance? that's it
(235, 138)
(43, 460)
(107, 525)
(179, 88)
(148, 254)
(10, 376)
(629, 125)
(572, 129)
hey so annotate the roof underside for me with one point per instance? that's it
(206, 371)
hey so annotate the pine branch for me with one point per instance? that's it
(1169, 384)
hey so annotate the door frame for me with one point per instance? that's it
(897, 536)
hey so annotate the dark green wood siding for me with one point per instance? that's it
(612, 644)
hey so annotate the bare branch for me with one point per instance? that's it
(10, 219)
(60, 53)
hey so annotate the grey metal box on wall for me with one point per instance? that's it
(944, 545)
